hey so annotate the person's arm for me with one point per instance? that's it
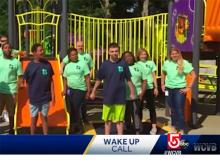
(132, 90)
(143, 89)
(88, 86)
(155, 83)
(193, 76)
(20, 82)
(163, 75)
(52, 93)
(62, 65)
(93, 94)
(64, 86)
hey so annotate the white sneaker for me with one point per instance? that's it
(153, 131)
(5, 116)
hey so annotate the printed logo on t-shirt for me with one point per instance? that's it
(78, 67)
(136, 69)
(120, 69)
(44, 72)
(11, 66)
(148, 66)
(85, 59)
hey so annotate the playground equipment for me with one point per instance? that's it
(131, 34)
(35, 25)
(41, 24)
(38, 25)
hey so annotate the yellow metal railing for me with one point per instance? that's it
(131, 34)
(41, 25)
(208, 77)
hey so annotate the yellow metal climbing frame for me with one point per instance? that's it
(131, 34)
(41, 25)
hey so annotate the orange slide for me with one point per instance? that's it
(212, 21)
(57, 116)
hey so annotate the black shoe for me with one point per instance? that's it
(12, 132)
(86, 121)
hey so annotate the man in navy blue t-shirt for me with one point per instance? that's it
(114, 73)
(38, 76)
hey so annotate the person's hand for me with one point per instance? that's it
(163, 88)
(92, 96)
(132, 96)
(63, 93)
(61, 71)
(156, 92)
(184, 90)
(141, 94)
(87, 95)
(52, 102)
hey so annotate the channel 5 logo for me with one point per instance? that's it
(173, 141)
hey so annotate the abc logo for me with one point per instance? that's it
(173, 141)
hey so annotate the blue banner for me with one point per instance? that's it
(171, 144)
(50, 144)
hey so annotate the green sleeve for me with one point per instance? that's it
(86, 70)
(66, 59)
(153, 67)
(19, 69)
(187, 67)
(65, 72)
(90, 62)
(164, 68)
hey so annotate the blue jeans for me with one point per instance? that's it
(176, 102)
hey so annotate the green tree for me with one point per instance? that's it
(3, 17)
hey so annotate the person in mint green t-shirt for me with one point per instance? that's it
(82, 56)
(4, 40)
(173, 83)
(10, 78)
(149, 69)
(76, 87)
(139, 79)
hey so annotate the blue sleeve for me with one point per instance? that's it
(51, 70)
(26, 73)
(127, 73)
(101, 72)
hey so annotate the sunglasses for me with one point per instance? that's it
(3, 40)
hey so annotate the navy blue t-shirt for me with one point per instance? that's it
(114, 75)
(39, 78)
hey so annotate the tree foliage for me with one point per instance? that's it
(97, 8)
(3, 17)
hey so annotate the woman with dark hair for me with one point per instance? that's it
(76, 87)
(138, 78)
(173, 83)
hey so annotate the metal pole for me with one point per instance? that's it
(26, 28)
(198, 23)
(218, 85)
(63, 30)
(169, 25)
(11, 23)
(167, 112)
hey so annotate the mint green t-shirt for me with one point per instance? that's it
(148, 67)
(82, 57)
(137, 76)
(10, 69)
(14, 52)
(75, 73)
(173, 78)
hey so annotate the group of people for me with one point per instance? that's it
(129, 83)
